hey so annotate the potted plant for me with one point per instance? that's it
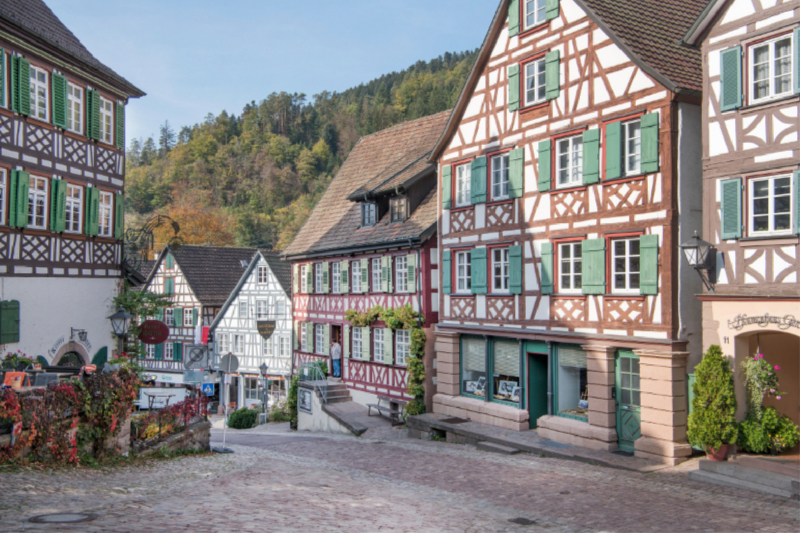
(712, 424)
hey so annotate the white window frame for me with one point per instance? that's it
(106, 218)
(150, 351)
(74, 209)
(319, 339)
(303, 338)
(631, 161)
(251, 388)
(771, 206)
(397, 209)
(168, 351)
(286, 347)
(376, 274)
(751, 73)
(35, 194)
(358, 344)
(627, 289)
(574, 167)
(266, 347)
(401, 273)
(355, 276)
(369, 214)
(463, 272)
(106, 121)
(262, 309)
(539, 13)
(303, 278)
(571, 263)
(238, 344)
(402, 346)
(500, 185)
(336, 277)
(463, 185)
(280, 308)
(75, 108)
(244, 309)
(188, 318)
(263, 274)
(500, 269)
(4, 65)
(535, 81)
(378, 337)
(223, 343)
(169, 317)
(318, 278)
(3, 195)
(40, 94)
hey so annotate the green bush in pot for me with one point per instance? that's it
(712, 424)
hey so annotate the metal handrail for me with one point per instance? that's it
(313, 373)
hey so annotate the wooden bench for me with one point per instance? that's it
(393, 408)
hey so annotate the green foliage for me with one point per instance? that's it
(280, 413)
(773, 433)
(762, 381)
(243, 418)
(291, 402)
(142, 305)
(712, 421)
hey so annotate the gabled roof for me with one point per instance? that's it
(648, 31)
(33, 16)
(381, 161)
(695, 34)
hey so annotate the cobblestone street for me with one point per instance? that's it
(281, 481)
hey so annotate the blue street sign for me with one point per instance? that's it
(208, 389)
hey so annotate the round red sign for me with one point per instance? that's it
(153, 332)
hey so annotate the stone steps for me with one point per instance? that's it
(730, 474)
(497, 448)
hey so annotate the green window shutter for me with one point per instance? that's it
(478, 184)
(515, 269)
(650, 143)
(296, 278)
(480, 278)
(594, 266)
(366, 343)
(310, 337)
(513, 18)
(613, 149)
(54, 204)
(447, 273)
(310, 278)
(648, 249)
(297, 335)
(796, 43)
(12, 194)
(796, 197)
(552, 67)
(547, 268)
(93, 115)
(59, 99)
(3, 77)
(160, 314)
(513, 87)
(120, 133)
(194, 316)
(9, 322)
(386, 274)
(447, 183)
(20, 85)
(346, 342)
(160, 351)
(22, 200)
(731, 216)
(388, 346)
(170, 261)
(177, 351)
(551, 9)
(119, 216)
(326, 339)
(591, 156)
(516, 173)
(544, 178)
(411, 262)
(169, 286)
(326, 278)
(344, 283)
(61, 211)
(87, 211)
(92, 218)
(177, 317)
(730, 79)
(364, 276)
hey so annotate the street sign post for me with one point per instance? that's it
(208, 389)
(229, 363)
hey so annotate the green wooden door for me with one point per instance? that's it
(537, 387)
(628, 401)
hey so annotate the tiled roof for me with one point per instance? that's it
(35, 17)
(404, 168)
(213, 272)
(282, 269)
(335, 222)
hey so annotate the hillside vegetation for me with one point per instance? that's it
(253, 179)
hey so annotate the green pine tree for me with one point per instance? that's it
(712, 422)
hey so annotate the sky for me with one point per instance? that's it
(194, 57)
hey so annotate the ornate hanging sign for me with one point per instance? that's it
(153, 332)
(266, 328)
(783, 322)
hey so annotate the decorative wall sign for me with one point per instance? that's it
(153, 332)
(783, 322)
(266, 328)
(304, 399)
(195, 357)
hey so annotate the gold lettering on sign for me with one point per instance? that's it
(783, 322)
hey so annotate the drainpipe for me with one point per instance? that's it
(550, 378)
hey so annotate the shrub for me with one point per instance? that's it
(762, 381)
(243, 418)
(712, 421)
(291, 402)
(280, 413)
(774, 433)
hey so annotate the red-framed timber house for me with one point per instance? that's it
(371, 241)
(569, 172)
(62, 179)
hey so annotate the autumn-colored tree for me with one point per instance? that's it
(200, 221)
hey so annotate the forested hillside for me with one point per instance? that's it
(252, 179)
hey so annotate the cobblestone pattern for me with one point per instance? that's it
(384, 482)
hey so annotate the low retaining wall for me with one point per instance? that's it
(317, 419)
(197, 437)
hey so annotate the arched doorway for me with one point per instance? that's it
(70, 359)
(71, 354)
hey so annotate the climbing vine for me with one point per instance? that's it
(402, 318)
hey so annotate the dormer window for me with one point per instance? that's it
(398, 209)
(369, 214)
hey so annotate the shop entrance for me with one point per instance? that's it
(537, 387)
(628, 399)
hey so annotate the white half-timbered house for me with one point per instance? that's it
(263, 297)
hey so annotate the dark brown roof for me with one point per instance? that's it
(335, 222)
(35, 17)
(406, 167)
(282, 269)
(213, 272)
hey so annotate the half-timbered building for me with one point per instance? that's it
(62, 177)
(751, 185)
(371, 241)
(198, 280)
(569, 172)
(255, 324)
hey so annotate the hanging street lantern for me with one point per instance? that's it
(702, 256)
(121, 324)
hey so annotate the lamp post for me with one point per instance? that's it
(121, 323)
(263, 369)
(701, 256)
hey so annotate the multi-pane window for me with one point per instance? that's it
(319, 339)
(355, 283)
(106, 121)
(303, 278)
(397, 207)
(571, 269)
(376, 275)
(150, 351)
(262, 309)
(336, 278)
(401, 273)
(223, 343)
(771, 68)
(535, 12)
(771, 205)
(238, 344)
(369, 214)
(188, 318)
(500, 177)
(266, 347)
(377, 344)
(2, 192)
(280, 310)
(251, 388)
(243, 309)
(262, 274)
(39, 93)
(500, 270)
(569, 161)
(463, 272)
(632, 147)
(535, 82)
(74, 212)
(625, 265)
(318, 277)
(357, 344)
(402, 341)
(285, 350)
(303, 338)
(74, 108)
(106, 209)
(463, 185)
(168, 317)
(37, 203)
(168, 347)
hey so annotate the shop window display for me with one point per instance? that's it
(506, 371)
(573, 391)
(473, 366)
